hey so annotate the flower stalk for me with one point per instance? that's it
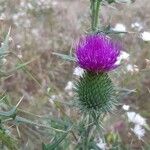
(97, 54)
(95, 9)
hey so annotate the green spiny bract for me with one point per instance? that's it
(96, 92)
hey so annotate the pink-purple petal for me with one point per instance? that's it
(97, 53)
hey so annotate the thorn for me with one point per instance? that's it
(9, 30)
(18, 131)
(19, 102)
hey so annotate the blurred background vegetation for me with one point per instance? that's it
(30, 71)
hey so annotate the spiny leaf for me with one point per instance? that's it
(55, 143)
(10, 113)
(7, 140)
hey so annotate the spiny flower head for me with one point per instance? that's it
(96, 93)
(97, 53)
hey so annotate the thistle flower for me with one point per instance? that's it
(97, 53)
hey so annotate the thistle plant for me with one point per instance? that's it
(96, 95)
(97, 54)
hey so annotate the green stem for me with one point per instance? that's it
(95, 7)
(87, 132)
(97, 14)
(92, 14)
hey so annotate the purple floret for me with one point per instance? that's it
(97, 53)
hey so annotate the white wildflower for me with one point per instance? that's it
(22, 4)
(2, 16)
(18, 46)
(136, 69)
(137, 26)
(119, 27)
(138, 131)
(147, 63)
(69, 86)
(2, 44)
(30, 6)
(126, 107)
(52, 98)
(10, 39)
(4, 60)
(19, 55)
(78, 71)
(123, 56)
(130, 68)
(18, 15)
(54, 3)
(136, 118)
(145, 36)
(102, 145)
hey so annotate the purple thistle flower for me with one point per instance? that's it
(97, 53)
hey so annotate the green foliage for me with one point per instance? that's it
(114, 141)
(96, 92)
(7, 140)
(55, 143)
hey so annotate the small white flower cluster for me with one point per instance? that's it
(126, 107)
(4, 61)
(136, 25)
(2, 17)
(119, 27)
(102, 145)
(132, 68)
(46, 4)
(20, 19)
(54, 3)
(145, 36)
(138, 131)
(139, 124)
(78, 71)
(26, 5)
(138, 120)
(52, 98)
(147, 63)
(70, 85)
(123, 56)
(69, 88)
